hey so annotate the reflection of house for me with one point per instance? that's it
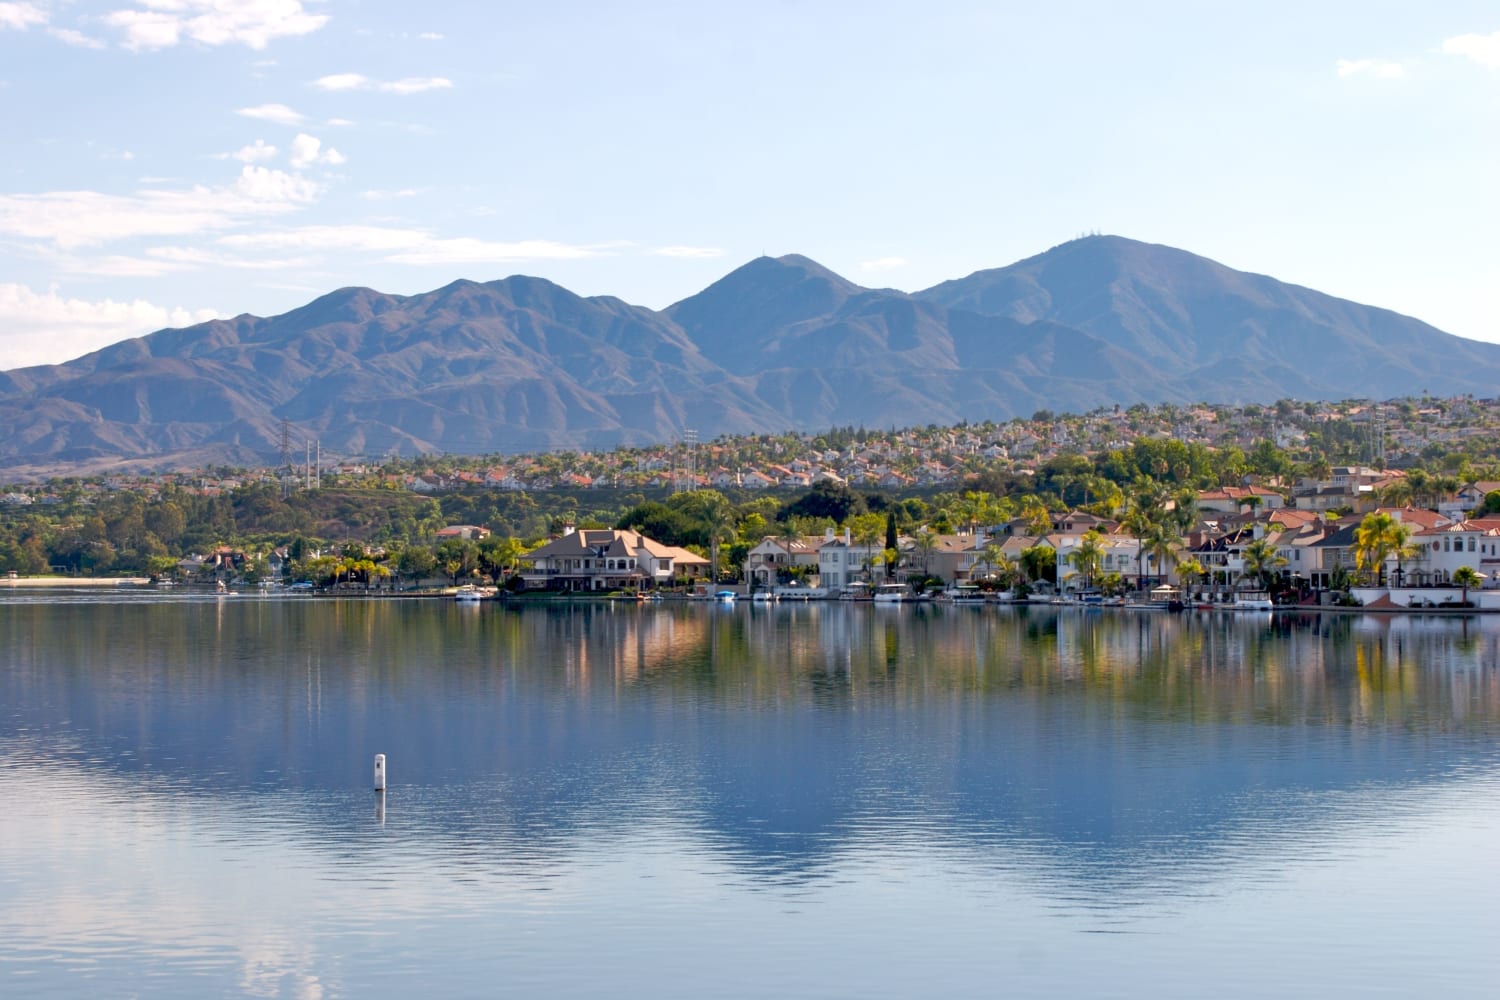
(608, 559)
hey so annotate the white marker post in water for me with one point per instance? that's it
(380, 772)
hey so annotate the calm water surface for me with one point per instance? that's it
(689, 801)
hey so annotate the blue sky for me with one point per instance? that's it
(171, 160)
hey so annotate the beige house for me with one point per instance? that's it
(608, 559)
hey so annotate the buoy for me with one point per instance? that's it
(380, 772)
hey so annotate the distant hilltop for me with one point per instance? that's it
(523, 365)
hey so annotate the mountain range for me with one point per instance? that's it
(523, 364)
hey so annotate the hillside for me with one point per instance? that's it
(522, 364)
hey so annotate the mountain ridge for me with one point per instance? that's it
(523, 364)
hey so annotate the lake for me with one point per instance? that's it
(695, 800)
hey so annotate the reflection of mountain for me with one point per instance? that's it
(1106, 747)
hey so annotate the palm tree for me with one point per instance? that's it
(1035, 561)
(1378, 537)
(719, 522)
(925, 543)
(1466, 577)
(1260, 559)
(1088, 557)
(1192, 568)
(1161, 544)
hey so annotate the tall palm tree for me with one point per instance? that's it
(1162, 543)
(719, 522)
(1260, 560)
(1378, 536)
(1088, 557)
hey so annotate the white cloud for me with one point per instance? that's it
(696, 252)
(277, 113)
(342, 81)
(358, 81)
(21, 16)
(308, 150)
(431, 36)
(159, 24)
(253, 153)
(882, 264)
(388, 195)
(75, 38)
(416, 85)
(339, 123)
(406, 246)
(1370, 67)
(275, 187)
(1483, 49)
(74, 219)
(46, 328)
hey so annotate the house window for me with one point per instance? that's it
(1471, 545)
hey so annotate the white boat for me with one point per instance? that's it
(468, 595)
(763, 595)
(963, 594)
(1252, 600)
(891, 593)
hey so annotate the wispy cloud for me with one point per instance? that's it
(20, 16)
(253, 153)
(77, 39)
(431, 36)
(374, 195)
(406, 246)
(160, 24)
(76, 219)
(358, 81)
(1378, 68)
(278, 113)
(46, 327)
(308, 150)
(882, 264)
(1483, 49)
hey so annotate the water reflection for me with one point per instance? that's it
(1116, 766)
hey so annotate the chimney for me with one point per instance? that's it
(846, 534)
(568, 529)
(827, 534)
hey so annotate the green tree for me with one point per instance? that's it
(1088, 557)
(1260, 560)
(1378, 537)
(1466, 577)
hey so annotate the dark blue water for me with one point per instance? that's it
(823, 800)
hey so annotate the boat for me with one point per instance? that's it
(1252, 600)
(857, 590)
(468, 594)
(726, 596)
(891, 593)
(763, 595)
(963, 594)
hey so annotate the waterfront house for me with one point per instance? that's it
(773, 558)
(608, 559)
